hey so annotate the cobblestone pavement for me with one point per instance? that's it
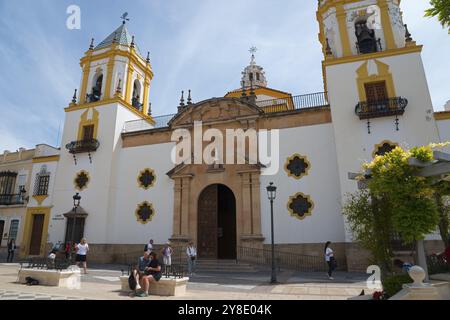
(102, 282)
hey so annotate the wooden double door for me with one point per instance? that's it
(216, 223)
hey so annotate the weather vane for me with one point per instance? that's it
(124, 17)
(253, 50)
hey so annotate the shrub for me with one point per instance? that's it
(393, 284)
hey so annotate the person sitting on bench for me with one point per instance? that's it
(140, 272)
(152, 274)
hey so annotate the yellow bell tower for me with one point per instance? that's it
(114, 71)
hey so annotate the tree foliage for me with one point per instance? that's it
(441, 10)
(414, 209)
(397, 200)
(371, 226)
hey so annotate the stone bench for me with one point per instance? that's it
(164, 287)
(68, 278)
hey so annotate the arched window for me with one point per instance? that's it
(135, 101)
(96, 89)
(366, 40)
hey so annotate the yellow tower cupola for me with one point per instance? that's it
(114, 71)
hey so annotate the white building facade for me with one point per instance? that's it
(118, 157)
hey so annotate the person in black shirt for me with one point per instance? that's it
(152, 274)
(11, 249)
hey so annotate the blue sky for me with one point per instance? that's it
(200, 45)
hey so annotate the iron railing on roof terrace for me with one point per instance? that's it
(290, 103)
(304, 101)
(139, 125)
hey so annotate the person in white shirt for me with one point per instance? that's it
(167, 252)
(329, 258)
(191, 257)
(82, 251)
(149, 246)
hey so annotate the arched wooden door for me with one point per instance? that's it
(216, 223)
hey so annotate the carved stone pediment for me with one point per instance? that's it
(215, 110)
(191, 170)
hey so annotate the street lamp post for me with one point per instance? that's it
(76, 204)
(271, 194)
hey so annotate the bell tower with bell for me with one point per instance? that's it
(375, 82)
(114, 90)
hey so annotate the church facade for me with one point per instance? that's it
(119, 157)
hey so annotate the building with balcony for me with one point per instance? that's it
(15, 178)
(120, 158)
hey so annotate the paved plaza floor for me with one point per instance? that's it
(102, 282)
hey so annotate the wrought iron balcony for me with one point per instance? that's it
(11, 199)
(81, 146)
(383, 108)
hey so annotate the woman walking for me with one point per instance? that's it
(82, 251)
(329, 258)
(11, 249)
(191, 257)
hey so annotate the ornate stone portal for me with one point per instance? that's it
(190, 180)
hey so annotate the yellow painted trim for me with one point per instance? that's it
(341, 16)
(137, 215)
(86, 69)
(386, 24)
(291, 212)
(25, 248)
(378, 145)
(45, 159)
(131, 55)
(84, 121)
(40, 198)
(266, 91)
(101, 103)
(109, 75)
(291, 158)
(87, 183)
(374, 55)
(383, 75)
(442, 115)
(128, 85)
(145, 98)
(139, 181)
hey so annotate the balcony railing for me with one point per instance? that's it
(11, 199)
(306, 101)
(81, 146)
(383, 108)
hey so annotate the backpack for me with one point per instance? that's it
(132, 282)
(31, 281)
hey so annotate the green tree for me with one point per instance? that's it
(441, 9)
(414, 210)
(369, 219)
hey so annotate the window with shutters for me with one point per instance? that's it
(88, 132)
(376, 92)
(42, 182)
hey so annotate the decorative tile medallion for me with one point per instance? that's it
(297, 166)
(81, 180)
(146, 178)
(144, 212)
(300, 205)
